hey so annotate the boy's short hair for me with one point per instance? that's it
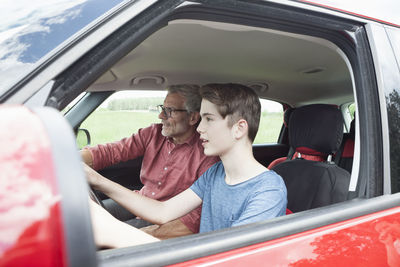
(236, 100)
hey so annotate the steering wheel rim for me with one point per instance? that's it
(93, 194)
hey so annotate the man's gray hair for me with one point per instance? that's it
(190, 92)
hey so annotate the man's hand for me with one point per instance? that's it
(87, 157)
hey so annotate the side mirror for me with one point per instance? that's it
(82, 138)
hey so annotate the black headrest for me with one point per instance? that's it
(316, 129)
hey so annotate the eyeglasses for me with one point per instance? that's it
(168, 111)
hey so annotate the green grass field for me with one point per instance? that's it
(107, 126)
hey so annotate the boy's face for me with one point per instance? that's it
(214, 131)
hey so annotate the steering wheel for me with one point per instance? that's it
(94, 195)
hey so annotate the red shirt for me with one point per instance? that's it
(167, 168)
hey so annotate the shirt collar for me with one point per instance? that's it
(190, 141)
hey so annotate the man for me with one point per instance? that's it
(236, 191)
(173, 157)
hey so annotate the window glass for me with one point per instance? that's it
(352, 109)
(394, 37)
(31, 29)
(270, 123)
(393, 110)
(122, 115)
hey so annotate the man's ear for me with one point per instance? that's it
(241, 129)
(194, 118)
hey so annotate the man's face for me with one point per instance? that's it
(176, 126)
(214, 131)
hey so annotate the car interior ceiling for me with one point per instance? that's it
(285, 67)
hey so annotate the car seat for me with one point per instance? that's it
(345, 155)
(292, 154)
(314, 130)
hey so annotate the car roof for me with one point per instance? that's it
(384, 11)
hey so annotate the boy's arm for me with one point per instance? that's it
(111, 233)
(148, 209)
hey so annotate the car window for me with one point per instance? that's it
(395, 42)
(31, 29)
(393, 110)
(270, 122)
(122, 115)
(352, 109)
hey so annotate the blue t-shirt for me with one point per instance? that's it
(259, 198)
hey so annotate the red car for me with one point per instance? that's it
(60, 60)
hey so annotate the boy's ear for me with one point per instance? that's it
(241, 129)
(194, 118)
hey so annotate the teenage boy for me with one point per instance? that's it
(236, 191)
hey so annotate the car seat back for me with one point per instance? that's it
(292, 154)
(315, 130)
(345, 155)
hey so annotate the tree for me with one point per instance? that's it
(393, 109)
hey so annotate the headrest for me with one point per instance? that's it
(316, 129)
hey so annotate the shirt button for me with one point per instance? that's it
(165, 168)
(159, 183)
(169, 152)
(152, 193)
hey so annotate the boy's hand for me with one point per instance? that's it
(93, 177)
(112, 233)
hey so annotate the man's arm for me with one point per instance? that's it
(103, 155)
(149, 209)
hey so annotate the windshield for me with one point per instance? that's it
(30, 29)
